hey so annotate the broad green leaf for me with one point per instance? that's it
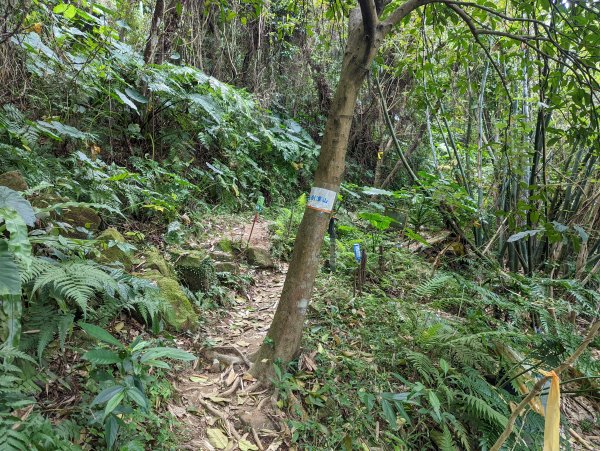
(10, 280)
(101, 356)
(415, 236)
(138, 345)
(135, 95)
(100, 334)
(18, 242)
(111, 430)
(113, 403)
(380, 222)
(435, 404)
(444, 366)
(388, 413)
(60, 8)
(582, 233)
(13, 309)
(65, 130)
(70, 12)
(138, 397)
(521, 235)
(207, 104)
(13, 200)
(158, 364)
(371, 191)
(169, 353)
(126, 100)
(559, 227)
(107, 394)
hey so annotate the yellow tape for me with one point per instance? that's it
(552, 426)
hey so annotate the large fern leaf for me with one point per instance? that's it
(75, 281)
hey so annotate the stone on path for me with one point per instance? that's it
(259, 257)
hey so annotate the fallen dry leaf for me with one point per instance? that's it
(245, 445)
(198, 378)
(248, 377)
(217, 438)
(217, 399)
(231, 378)
(275, 444)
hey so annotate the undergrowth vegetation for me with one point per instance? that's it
(427, 357)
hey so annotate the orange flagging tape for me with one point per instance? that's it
(552, 426)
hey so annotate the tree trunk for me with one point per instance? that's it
(166, 20)
(155, 25)
(283, 339)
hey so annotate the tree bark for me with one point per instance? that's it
(152, 42)
(164, 27)
(283, 339)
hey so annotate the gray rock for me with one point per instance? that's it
(226, 267)
(257, 256)
(219, 256)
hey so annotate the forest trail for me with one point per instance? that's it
(217, 404)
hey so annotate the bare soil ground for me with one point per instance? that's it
(218, 404)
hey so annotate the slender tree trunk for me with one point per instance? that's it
(365, 33)
(155, 25)
(164, 27)
(283, 339)
(416, 142)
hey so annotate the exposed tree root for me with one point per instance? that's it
(222, 416)
(227, 358)
(231, 390)
(257, 440)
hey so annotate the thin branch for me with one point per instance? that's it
(475, 32)
(402, 11)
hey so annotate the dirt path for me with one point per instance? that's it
(217, 403)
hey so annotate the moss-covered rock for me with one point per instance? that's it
(77, 217)
(196, 270)
(13, 180)
(153, 259)
(114, 248)
(80, 218)
(45, 200)
(225, 245)
(219, 256)
(257, 256)
(111, 234)
(178, 310)
(230, 267)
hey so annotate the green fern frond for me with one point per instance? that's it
(480, 408)
(444, 440)
(459, 430)
(422, 365)
(76, 281)
(432, 286)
